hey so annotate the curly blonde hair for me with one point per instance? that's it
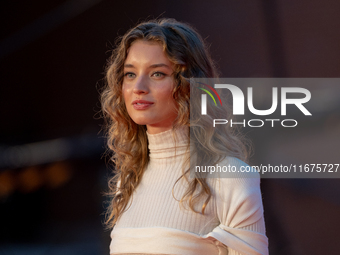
(128, 141)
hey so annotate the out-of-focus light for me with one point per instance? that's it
(50, 151)
(7, 184)
(57, 174)
(36, 153)
(30, 180)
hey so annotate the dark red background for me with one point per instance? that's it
(52, 64)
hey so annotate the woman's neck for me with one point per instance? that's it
(168, 143)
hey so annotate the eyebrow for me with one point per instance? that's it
(152, 66)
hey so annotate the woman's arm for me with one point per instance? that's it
(240, 212)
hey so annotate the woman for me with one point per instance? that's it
(157, 207)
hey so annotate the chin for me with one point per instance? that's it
(140, 121)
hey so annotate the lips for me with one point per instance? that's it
(141, 104)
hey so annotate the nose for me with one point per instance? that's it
(141, 86)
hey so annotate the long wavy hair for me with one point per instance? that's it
(128, 141)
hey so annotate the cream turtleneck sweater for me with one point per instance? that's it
(155, 223)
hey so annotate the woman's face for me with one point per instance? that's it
(147, 86)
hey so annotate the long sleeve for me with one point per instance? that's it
(240, 213)
(258, 227)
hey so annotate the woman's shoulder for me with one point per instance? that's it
(240, 182)
(233, 177)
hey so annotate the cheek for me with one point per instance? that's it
(167, 98)
(164, 97)
(166, 92)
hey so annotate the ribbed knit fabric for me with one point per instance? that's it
(156, 223)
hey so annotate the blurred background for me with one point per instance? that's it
(52, 58)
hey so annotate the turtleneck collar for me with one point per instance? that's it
(169, 143)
